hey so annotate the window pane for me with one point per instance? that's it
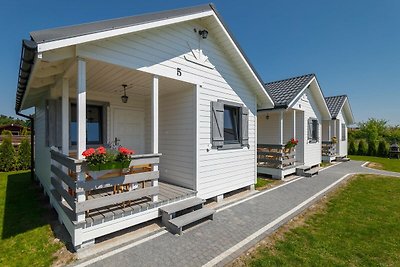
(315, 130)
(94, 124)
(231, 125)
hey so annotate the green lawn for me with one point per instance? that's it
(263, 182)
(382, 163)
(26, 237)
(358, 227)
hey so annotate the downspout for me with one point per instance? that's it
(32, 120)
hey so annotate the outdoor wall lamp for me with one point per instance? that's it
(124, 98)
(203, 34)
(267, 117)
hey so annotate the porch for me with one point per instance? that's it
(328, 151)
(90, 208)
(275, 128)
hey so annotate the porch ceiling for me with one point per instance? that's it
(106, 78)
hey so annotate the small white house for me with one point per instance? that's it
(299, 111)
(334, 131)
(174, 86)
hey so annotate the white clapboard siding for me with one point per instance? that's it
(268, 130)
(287, 125)
(312, 151)
(42, 154)
(177, 137)
(161, 51)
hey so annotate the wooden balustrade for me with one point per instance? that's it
(328, 149)
(73, 184)
(275, 156)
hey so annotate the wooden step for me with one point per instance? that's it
(175, 225)
(312, 172)
(182, 205)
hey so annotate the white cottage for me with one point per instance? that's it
(334, 131)
(174, 86)
(299, 111)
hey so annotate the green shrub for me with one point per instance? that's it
(352, 148)
(362, 148)
(383, 149)
(24, 155)
(7, 155)
(372, 148)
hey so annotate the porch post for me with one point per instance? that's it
(81, 129)
(280, 127)
(294, 123)
(334, 129)
(65, 116)
(329, 131)
(81, 107)
(154, 127)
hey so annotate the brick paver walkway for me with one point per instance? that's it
(207, 241)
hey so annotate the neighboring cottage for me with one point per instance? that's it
(334, 131)
(299, 111)
(174, 86)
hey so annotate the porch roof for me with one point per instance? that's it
(336, 104)
(283, 92)
(63, 37)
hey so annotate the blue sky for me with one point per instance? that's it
(352, 46)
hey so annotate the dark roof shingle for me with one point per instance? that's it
(284, 91)
(335, 104)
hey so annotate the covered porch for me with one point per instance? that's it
(99, 104)
(275, 129)
(330, 147)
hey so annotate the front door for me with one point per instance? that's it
(128, 127)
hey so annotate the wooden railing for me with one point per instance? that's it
(72, 182)
(275, 156)
(328, 148)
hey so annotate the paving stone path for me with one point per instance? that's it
(217, 242)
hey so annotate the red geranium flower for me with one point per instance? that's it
(101, 150)
(88, 152)
(125, 151)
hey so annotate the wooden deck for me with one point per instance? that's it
(168, 194)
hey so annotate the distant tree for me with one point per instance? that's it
(7, 154)
(383, 149)
(5, 120)
(372, 148)
(24, 155)
(362, 148)
(352, 148)
(373, 129)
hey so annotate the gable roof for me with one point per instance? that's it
(50, 39)
(336, 104)
(60, 33)
(283, 92)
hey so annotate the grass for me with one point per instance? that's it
(264, 182)
(359, 226)
(26, 237)
(380, 163)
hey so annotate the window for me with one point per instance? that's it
(229, 125)
(343, 132)
(313, 130)
(94, 125)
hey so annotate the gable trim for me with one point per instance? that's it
(42, 47)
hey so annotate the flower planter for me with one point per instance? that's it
(108, 170)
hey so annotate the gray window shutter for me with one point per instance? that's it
(53, 123)
(245, 126)
(217, 124)
(309, 129)
(317, 131)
